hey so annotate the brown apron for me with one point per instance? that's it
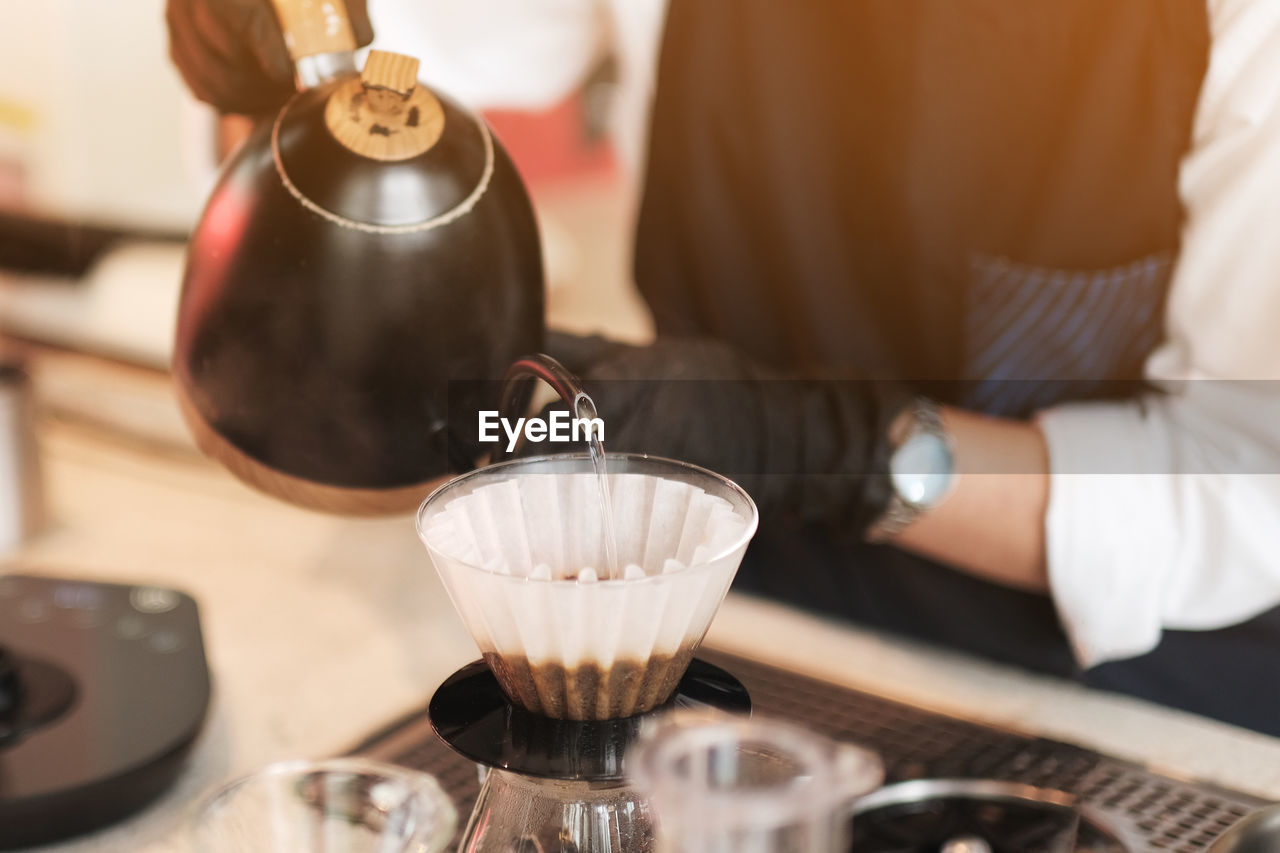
(978, 196)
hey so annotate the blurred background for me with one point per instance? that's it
(105, 162)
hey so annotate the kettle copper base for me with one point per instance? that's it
(295, 490)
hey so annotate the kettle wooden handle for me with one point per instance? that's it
(313, 27)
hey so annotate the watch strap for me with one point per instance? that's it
(925, 417)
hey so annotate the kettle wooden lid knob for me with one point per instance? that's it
(384, 114)
(394, 72)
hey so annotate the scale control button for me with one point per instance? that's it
(165, 642)
(78, 597)
(87, 619)
(153, 599)
(130, 627)
(32, 610)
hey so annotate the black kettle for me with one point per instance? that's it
(363, 273)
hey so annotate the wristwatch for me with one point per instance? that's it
(922, 468)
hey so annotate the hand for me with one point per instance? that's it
(232, 55)
(816, 448)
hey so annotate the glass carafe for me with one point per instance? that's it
(720, 784)
(522, 814)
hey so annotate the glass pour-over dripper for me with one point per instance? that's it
(577, 655)
(518, 544)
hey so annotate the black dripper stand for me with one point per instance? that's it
(558, 785)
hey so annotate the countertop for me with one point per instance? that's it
(320, 629)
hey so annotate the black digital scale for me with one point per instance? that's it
(103, 689)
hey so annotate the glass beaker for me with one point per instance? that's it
(723, 784)
(344, 804)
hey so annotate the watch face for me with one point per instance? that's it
(922, 470)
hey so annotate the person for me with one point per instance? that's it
(977, 298)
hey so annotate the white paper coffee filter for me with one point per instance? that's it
(509, 551)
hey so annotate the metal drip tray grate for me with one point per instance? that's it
(1154, 812)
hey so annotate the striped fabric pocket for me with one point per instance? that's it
(1034, 335)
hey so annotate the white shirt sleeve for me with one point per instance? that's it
(517, 54)
(1165, 512)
